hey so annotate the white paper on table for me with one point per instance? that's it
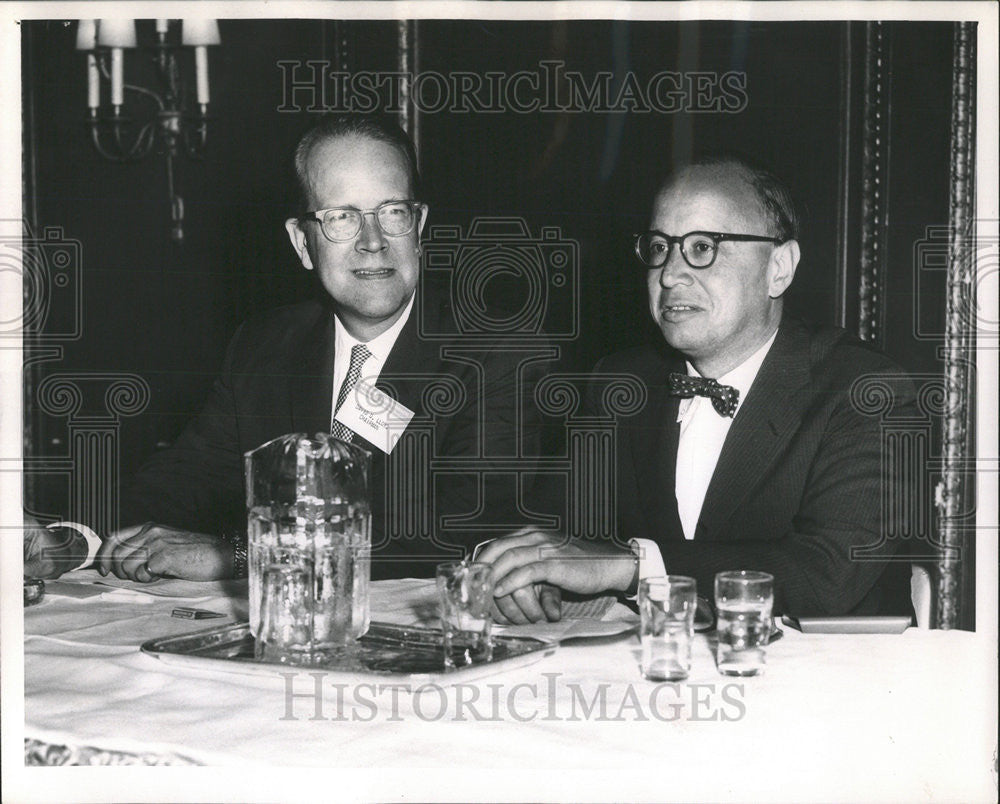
(73, 589)
(410, 601)
(164, 587)
(618, 619)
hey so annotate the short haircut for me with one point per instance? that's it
(333, 127)
(773, 194)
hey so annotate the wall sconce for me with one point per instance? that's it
(120, 138)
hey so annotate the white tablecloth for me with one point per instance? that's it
(905, 717)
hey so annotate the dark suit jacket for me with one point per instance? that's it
(471, 404)
(798, 483)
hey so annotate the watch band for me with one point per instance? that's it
(238, 542)
(650, 560)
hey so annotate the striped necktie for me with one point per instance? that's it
(359, 354)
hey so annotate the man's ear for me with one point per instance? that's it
(784, 261)
(299, 242)
(423, 219)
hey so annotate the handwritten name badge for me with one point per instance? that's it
(374, 415)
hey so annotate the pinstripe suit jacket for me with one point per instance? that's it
(798, 489)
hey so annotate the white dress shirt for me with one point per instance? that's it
(703, 432)
(379, 346)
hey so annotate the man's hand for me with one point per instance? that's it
(146, 552)
(529, 563)
(50, 553)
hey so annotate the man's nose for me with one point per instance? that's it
(371, 237)
(675, 271)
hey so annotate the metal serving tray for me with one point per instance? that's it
(391, 654)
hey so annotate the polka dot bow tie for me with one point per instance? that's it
(724, 397)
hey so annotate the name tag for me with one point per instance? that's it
(374, 415)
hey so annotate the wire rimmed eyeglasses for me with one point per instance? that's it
(699, 249)
(394, 219)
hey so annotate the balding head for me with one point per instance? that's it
(721, 234)
(356, 127)
(754, 187)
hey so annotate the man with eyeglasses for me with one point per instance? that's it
(293, 370)
(749, 453)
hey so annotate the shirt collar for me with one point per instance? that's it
(380, 345)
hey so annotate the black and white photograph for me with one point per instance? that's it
(484, 401)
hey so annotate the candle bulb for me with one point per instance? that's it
(116, 33)
(86, 35)
(200, 32)
(117, 77)
(201, 73)
(93, 82)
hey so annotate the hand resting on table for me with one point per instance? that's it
(146, 552)
(530, 566)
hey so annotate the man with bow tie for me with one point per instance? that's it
(748, 453)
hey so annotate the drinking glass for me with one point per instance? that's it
(466, 591)
(666, 607)
(743, 603)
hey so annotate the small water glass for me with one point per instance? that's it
(743, 602)
(667, 606)
(466, 592)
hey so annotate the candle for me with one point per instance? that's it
(93, 82)
(86, 35)
(201, 73)
(117, 78)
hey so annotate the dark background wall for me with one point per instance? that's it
(165, 311)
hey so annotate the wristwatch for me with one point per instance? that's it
(238, 542)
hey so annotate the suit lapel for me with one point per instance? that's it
(412, 362)
(763, 425)
(410, 356)
(311, 391)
